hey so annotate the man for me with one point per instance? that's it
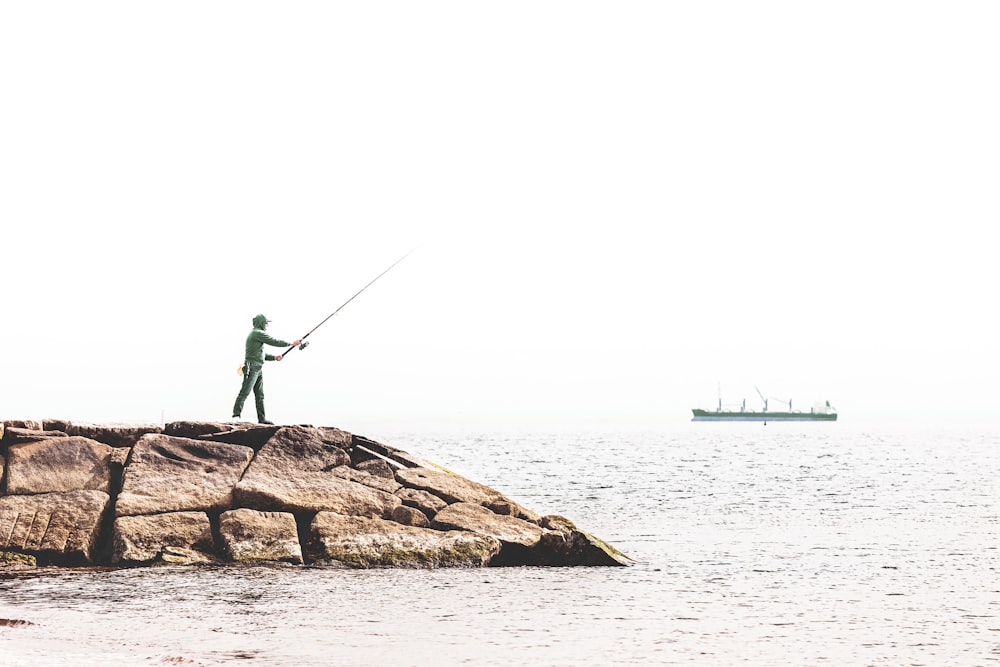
(254, 365)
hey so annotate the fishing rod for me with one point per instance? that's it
(304, 343)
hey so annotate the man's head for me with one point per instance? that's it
(260, 321)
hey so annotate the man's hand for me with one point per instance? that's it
(297, 343)
(278, 358)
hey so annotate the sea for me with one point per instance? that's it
(777, 544)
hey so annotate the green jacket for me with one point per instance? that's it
(258, 338)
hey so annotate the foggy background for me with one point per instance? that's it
(618, 208)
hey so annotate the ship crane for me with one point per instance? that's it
(762, 398)
(780, 400)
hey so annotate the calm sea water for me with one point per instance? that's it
(785, 544)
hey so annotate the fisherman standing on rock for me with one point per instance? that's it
(253, 367)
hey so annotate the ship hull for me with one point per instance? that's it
(722, 416)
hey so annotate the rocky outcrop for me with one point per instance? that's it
(211, 493)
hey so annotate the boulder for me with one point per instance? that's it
(293, 472)
(176, 538)
(169, 474)
(358, 542)
(57, 527)
(424, 501)
(251, 536)
(115, 435)
(389, 485)
(58, 465)
(454, 488)
(410, 516)
(564, 544)
(379, 468)
(478, 519)
(305, 449)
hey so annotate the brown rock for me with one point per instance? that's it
(410, 516)
(478, 519)
(115, 435)
(389, 485)
(424, 501)
(457, 489)
(176, 537)
(56, 425)
(378, 467)
(168, 474)
(305, 449)
(30, 424)
(248, 435)
(293, 472)
(564, 544)
(366, 448)
(251, 536)
(14, 435)
(365, 543)
(311, 492)
(58, 465)
(61, 527)
(185, 429)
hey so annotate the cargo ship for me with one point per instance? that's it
(820, 413)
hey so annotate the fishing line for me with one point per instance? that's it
(304, 343)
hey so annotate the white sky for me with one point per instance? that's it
(619, 206)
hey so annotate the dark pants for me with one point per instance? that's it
(253, 377)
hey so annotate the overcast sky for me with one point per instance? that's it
(618, 207)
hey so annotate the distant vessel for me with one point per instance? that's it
(822, 413)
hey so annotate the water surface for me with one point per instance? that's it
(790, 544)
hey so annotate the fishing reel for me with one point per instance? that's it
(303, 345)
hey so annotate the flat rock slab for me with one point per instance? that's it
(175, 537)
(424, 501)
(311, 492)
(457, 489)
(303, 449)
(14, 435)
(478, 519)
(170, 474)
(253, 436)
(115, 435)
(356, 542)
(185, 429)
(387, 484)
(296, 472)
(58, 465)
(61, 527)
(252, 536)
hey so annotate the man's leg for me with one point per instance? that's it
(258, 394)
(250, 377)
